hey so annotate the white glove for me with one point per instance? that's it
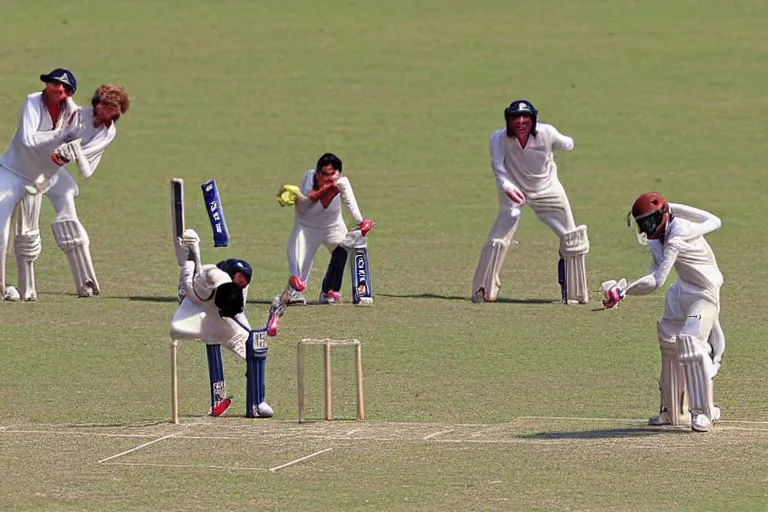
(191, 241)
(66, 153)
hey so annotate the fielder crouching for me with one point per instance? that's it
(212, 311)
(526, 173)
(690, 337)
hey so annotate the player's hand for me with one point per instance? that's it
(190, 240)
(288, 195)
(326, 193)
(365, 226)
(63, 154)
(516, 196)
(613, 296)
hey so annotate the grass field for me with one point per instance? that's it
(519, 405)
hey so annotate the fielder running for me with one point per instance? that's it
(318, 220)
(47, 120)
(689, 331)
(526, 173)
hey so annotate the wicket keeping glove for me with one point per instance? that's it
(288, 194)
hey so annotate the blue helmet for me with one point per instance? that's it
(234, 265)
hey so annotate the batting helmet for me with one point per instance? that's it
(234, 265)
(522, 108)
(651, 213)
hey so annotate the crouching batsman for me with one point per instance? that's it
(212, 311)
(690, 337)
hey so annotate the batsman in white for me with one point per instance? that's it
(318, 221)
(526, 173)
(47, 119)
(212, 308)
(689, 331)
(97, 129)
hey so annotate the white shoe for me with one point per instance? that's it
(700, 423)
(297, 299)
(10, 293)
(665, 419)
(87, 290)
(263, 410)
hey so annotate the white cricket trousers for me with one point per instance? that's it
(11, 192)
(305, 241)
(550, 205)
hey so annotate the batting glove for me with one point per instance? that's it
(365, 226)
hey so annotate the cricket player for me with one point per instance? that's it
(212, 311)
(525, 171)
(98, 128)
(689, 331)
(318, 220)
(47, 120)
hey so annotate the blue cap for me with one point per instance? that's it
(62, 76)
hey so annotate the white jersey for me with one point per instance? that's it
(94, 140)
(685, 250)
(36, 138)
(530, 169)
(313, 215)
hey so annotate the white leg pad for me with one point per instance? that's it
(27, 244)
(699, 370)
(673, 406)
(574, 246)
(486, 284)
(72, 238)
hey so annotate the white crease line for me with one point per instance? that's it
(568, 418)
(126, 452)
(69, 433)
(228, 468)
(300, 459)
(430, 436)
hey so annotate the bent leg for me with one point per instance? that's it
(486, 282)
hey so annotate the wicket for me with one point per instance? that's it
(327, 344)
(174, 382)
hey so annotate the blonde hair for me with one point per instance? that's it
(112, 94)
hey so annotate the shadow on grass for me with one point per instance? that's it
(610, 433)
(500, 300)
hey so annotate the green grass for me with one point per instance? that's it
(657, 95)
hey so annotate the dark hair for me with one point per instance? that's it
(328, 159)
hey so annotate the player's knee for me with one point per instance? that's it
(27, 247)
(69, 234)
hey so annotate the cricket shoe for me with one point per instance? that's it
(220, 407)
(88, 289)
(332, 297)
(297, 299)
(700, 423)
(11, 294)
(666, 419)
(263, 410)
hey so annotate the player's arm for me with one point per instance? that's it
(659, 273)
(559, 141)
(348, 196)
(303, 201)
(29, 120)
(702, 221)
(496, 143)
